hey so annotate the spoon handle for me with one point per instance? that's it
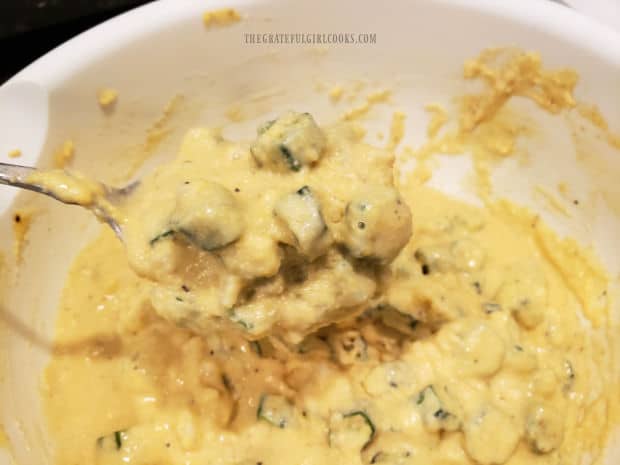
(71, 189)
(16, 176)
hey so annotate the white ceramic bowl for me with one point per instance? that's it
(161, 50)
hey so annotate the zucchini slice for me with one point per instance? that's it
(543, 429)
(288, 143)
(275, 410)
(378, 224)
(524, 294)
(392, 448)
(434, 414)
(113, 441)
(393, 318)
(159, 237)
(461, 255)
(301, 213)
(353, 430)
(207, 215)
(235, 317)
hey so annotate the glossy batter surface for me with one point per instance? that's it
(484, 341)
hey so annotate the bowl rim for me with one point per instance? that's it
(65, 60)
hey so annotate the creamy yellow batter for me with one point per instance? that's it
(483, 341)
(221, 17)
(22, 220)
(15, 153)
(64, 154)
(107, 97)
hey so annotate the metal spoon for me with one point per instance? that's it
(102, 203)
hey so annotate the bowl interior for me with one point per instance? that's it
(172, 73)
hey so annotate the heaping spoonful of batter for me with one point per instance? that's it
(277, 237)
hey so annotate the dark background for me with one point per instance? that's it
(30, 28)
